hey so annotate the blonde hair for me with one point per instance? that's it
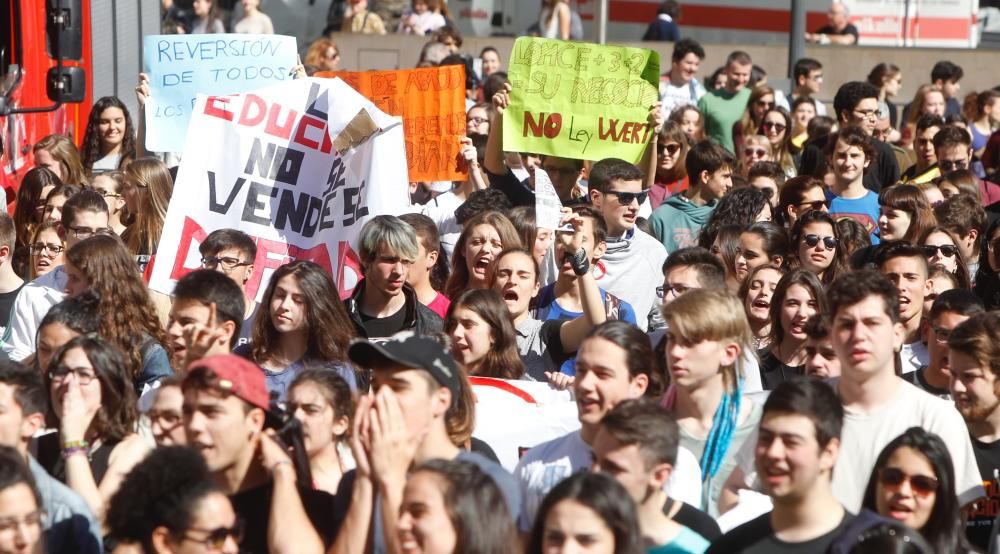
(155, 186)
(715, 315)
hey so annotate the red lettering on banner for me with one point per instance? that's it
(288, 125)
(213, 109)
(301, 138)
(191, 232)
(252, 101)
(544, 125)
(283, 131)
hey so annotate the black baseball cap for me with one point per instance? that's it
(411, 351)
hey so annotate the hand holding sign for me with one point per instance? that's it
(548, 207)
(580, 100)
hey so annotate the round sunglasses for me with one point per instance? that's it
(830, 243)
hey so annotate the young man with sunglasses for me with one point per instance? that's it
(233, 253)
(953, 148)
(951, 308)
(849, 153)
(632, 260)
(975, 386)
(677, 222)
(83, 215)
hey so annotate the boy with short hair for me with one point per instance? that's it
(925, 170)
(950, 309)
(821, 360)
(849, 153)
(807, 75)
(964, 216)
(767, 177)
(677, 222)
(906, 267)
(233, 253)
(83, 215)
(679, 86)
(722, 108)
(945, 75)
(199, 297)
(10, 282)
(953, 149)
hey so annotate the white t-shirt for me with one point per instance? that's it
(673, 97)
(30, 306)
(544, 466)
(913, 356)
(441, 209)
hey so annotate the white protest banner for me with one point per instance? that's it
(182, 66)
(548, 207)
(267, 163)
(516, 415)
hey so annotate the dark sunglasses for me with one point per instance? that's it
(779, 127)
(759, 152)
(830, 243)
(216, 538)
(922, 485)
(626, 198)
(671, 148)
(949, 165)
(947, 250)
(816, 204)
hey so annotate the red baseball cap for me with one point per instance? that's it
(238, 376)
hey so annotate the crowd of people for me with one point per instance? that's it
(779, 329)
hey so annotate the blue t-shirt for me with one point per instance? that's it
(547, 308)
(686, 542)
(864, 210)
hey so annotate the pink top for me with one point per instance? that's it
(440, 305)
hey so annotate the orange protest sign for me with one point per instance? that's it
(432, 103)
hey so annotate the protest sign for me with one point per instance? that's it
(548, 207)
(266, 163)
(431, 101)
(181, 66)
(580, 100)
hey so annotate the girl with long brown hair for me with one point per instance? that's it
(761, 100)
(147, 191)
(483, 238)
(28, 210)
(59, 154)
(483, 337)
(671, 174)
(305, 326)
(127, 315)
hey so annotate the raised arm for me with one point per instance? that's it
(572, 333)
(649, 157)
(494, 141)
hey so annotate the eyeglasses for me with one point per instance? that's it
(478, 120)
(84, 375)
(626, 198)
(165, 418)
(86, 232)
(216, 538)
(671, 148)
(754, 152)
(39, 247)
(777, 127)
(947, 250)
(816, 204)
(764, 104)
(953, 165)
(227, 263)
(866, 114)
(676, 290)
(922, 485)
(830, 243)
(9, 524)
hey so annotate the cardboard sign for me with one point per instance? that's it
(265, 163)
(432, 103)
(580, 100)
(182, 66)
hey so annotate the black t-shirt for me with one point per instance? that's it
(694, 519)
(849, 30)
(917, 378)
(326, 512)
(773, 372)
(984, 511)
(6, 303)
(757, 537)
(383, 327)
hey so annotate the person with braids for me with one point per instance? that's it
(126, 312)
(94, 411)
(147, 190)
(483, 336)
(305, 326)
(707, 333)
(169, 504)
(109, 141)
(443, 509)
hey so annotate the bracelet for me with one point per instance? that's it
(578, 260)
(75, 444)
(275, 465)
(73, 451)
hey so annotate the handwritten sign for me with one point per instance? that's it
(182, 66)
(548, 207)
(432, 103)
(266, 163)
(580, 100)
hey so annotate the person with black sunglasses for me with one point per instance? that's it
(913, 482)
(953, 148)
(817, 245)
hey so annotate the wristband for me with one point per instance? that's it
(75, 444)
(275, 465)
(73, 451)
(579, 262)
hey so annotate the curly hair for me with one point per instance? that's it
(503, 360)
(127, 314)
(92, 147)
(117, 417)
(155, 186)
(740, 207)
(162, 490)
(328, 326)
